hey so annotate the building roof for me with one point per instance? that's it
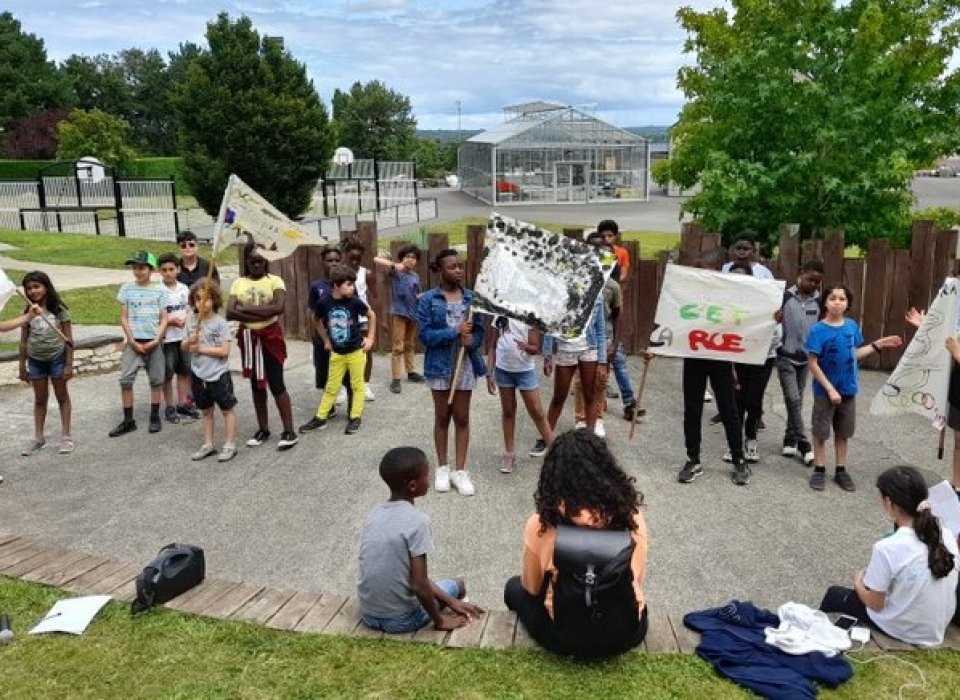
(558, 125)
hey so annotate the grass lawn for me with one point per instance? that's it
(92, 306)
(168, 654)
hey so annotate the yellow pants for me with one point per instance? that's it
(355, 361)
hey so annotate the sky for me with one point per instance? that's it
(617, 59)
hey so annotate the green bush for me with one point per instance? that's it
(27, 169)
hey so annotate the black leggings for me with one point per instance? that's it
(273, 373)
(843, 600)
(695, 375)
(753, 381)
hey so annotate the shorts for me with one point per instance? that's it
(411, 621)
(131, 362)
(176, 361)
(572, 359)
(219, 391)
(47, 369)
(842, 418)
(524, 381)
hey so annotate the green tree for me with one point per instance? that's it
(434, 158)
(28, 81)
(375, 122)
(814, 112)
(247, 107)
(96, 133)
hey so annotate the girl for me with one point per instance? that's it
(511, 354)
(908, 588)
(445, 327)
(580, 485)
(833, 350)
(45, 358)
(353, 252)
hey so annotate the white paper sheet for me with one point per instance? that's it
(72, 615)
(944, 505)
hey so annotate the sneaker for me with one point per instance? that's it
(789, 448)
(843, 479)
(805, 452)
(707, 396)
(154, 426)
(288, 439)
(716, 420)
(126, 426)
(441, 482)
(32, 447)
(395, 386)
(341, 397)
(691, 470)
(741, 473)
(205, 451)
(508, 463)
(630, 409)
(461, 482)
(227, 453)
(66, 445)
(313, 424)
(727, 457)
(415, 378)
(170, 414)
(612, 393)
(188, 410)
(259, 437)
(581, 425)
(332, 413)
(818, 480)
(353, 425)
(368, 393)
(752, 452)
(599, 430)
(539, 448)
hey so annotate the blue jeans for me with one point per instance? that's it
(623, 378)
(411, 621)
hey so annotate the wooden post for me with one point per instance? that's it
(789, 252)
(923, 243)
(437, 242)
(832, 256)
(944, 256)
(874, 293)
(476, 239)
(691, 237)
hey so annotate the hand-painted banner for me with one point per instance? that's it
(541, 278)
(716, 316)
(244, 212)
(7, 289)
(921, 380)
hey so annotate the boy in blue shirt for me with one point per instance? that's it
(404, 295)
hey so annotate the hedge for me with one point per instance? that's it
(141, 167)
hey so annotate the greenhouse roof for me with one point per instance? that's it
(566, 126)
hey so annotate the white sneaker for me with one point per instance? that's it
(727, 457)
(341, 399)
(461, 482)
(751, 453)
(599, 430)
(368, 393)
(581, 425)
(707, 396)
(441, 482)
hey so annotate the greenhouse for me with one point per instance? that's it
(550, 153)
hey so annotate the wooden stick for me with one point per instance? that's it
(45, 319)
(943, 437)
(459, 366)
(643, 384)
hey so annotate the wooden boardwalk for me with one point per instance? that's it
(311, 612)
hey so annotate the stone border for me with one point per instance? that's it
(96, 354)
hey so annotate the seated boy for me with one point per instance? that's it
(394, 591)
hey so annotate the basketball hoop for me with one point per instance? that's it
(343, 156)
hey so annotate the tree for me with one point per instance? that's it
(28, 81)
(247, 107)
(812, 112)
(96, 133)
(35, 135)
(375, 122)
(433, 158)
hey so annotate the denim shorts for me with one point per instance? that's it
(44, 369)
(411, 621)
(524, 381)
(566, 358)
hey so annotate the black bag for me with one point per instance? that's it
(177, 569)
(594, 606)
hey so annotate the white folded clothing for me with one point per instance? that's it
(803, 630)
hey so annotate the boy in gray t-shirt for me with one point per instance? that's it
(395, 593)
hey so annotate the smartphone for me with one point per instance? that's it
(845, 622)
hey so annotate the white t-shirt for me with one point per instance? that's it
(175, 302)
(510, 357)
(361, 288)
(760, 271)
(918, 607)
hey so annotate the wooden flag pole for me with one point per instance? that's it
(643, 384)
(943, 437)
(45, 319)
(459, 367)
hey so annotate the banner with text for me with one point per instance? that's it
(7, 289)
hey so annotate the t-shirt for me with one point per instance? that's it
(257, 293)
(836, 351)
(760, 271)
(799, 315)
(213, 331)
(175, 302)
(143, 303)
(406, 290)
(918, 607)
(341, 317)
(510, 357)
(188, 277)
(612, 299)
(44, 343)
(623, 259)
(393, 533)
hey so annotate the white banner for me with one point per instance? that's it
(7, 289)
(716, 316)
(921, 380)
(243, 212)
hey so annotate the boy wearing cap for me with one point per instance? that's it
(144, 321)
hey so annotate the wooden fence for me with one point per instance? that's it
(885, 283)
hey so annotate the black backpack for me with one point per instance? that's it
(177, 569)
(594, 605)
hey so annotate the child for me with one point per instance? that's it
(45, 358)
(193, 268)
(176, 363)
(445, 326)
(744, 250)
(610, 231)
(511, 354)
(144, 322)
(403, 313)
(340, 317)
(833, 350)
(207, 344)
(395, 593)
(353, 252)
(321, 289)
(256, 300)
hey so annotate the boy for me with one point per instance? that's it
(340, 316)
(403, 313)
(193, 268)
(144, 321)
(207, 344)
(176, 362)
(743, 250)
(610, 231)
(321, 288)
(801, 309)
(394, 591)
